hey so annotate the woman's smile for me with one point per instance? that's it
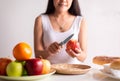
(62, 4)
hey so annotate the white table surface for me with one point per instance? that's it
(92, 75)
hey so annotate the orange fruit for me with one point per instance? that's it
(22, 51)
(46, 66)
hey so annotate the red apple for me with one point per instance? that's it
(34, 66)
(3, 65)
(72, 44)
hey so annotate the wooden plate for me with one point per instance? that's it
(71, 68)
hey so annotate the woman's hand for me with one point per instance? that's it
(54, 48)
(75, 53)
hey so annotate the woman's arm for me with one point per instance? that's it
(38, 39)
(39, 49)
(81, 53)
(83, 41)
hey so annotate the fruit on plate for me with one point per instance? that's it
(3, 64)
(24, 73)
(34, 66)
(24, 70)
(46, 66)
(22, 51)
(14, 69)
(72, 44)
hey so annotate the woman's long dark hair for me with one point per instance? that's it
(74, 9)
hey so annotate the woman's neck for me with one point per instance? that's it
(62, 14)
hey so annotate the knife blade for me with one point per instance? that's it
(66, 40)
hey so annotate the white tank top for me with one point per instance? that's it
(50, 36)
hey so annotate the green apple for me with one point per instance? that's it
(14, 69)
(24, 73)
(24, 70)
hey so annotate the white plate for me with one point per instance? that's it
(109, 74)
(28, 78)
(71, 68)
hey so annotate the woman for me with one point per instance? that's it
(61, 19)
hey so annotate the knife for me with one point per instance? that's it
(66, 40)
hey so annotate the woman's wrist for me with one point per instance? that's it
(47, 53)
(81, 56)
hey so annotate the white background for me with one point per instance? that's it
(103, 20)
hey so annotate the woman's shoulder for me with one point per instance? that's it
(80, 17)
(42, 15)
(39, 17)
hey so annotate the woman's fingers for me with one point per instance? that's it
(72, 53)
(54, 48)
(77, 50)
